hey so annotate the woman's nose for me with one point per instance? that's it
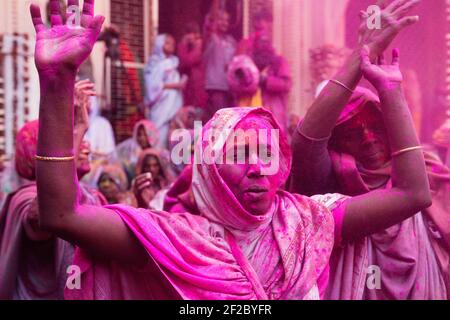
(255, 166)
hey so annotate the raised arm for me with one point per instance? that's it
(378, 210)
(311, 170)
(59, 52)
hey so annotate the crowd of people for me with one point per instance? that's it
(354, 187)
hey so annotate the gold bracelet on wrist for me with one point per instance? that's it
(400, 152)
(54, 159)
(342, 85)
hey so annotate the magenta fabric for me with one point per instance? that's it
(285, 252)
(247, 67)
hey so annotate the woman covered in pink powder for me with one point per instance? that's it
(250, 241)
(345, 145)
(33, 263)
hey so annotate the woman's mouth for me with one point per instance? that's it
(256, 190)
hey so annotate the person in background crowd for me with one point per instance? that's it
(275, 78)
(164, 86)
(190, 53)
(33, 263)
(220, 48)
(100, 134)
(153, 178)
(262, 28)
(112, 182)
(262, 80)
(145, 136)
(101, 138)
(345, 145)
(184, 120)
(244, 80)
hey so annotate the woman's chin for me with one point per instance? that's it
(257, 203)
(257, 209)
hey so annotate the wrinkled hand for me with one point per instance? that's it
(382, 76)
(84, 89)
(142, 189)
(394, 18)
(63, 48)
(83, 92)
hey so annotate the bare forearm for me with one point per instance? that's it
(409, 168)
(56, 181)
(326, 109)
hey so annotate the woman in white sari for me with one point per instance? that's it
(163, 85)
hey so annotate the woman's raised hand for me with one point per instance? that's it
(63, 48)
(394, 18)
(84, 90)
(142, 189)
(381, 75)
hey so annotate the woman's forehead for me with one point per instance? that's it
(151, 158)
(251, 131)
(255, 122)
(368, 115)
(105, 176)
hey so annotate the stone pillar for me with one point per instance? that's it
(300, 25)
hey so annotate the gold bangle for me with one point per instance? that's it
(400, 152)
(55, 159)
(342, 85)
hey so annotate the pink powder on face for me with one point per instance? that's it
(253, 190)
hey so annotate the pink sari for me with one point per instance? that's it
(33, 270)
(225, 252)
(413, 256)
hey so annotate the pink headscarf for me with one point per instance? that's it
(26, 146)
(150, 130)
(167, 176)
(225, 253)
(246, 66)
